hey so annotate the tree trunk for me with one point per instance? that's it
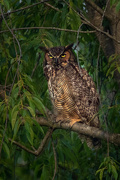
(97, 17)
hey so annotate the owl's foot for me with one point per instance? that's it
(59, 119)
(73, 121)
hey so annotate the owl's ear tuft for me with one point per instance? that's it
(44, 49)
(68, 47)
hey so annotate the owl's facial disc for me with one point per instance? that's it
(57, 56)
(61, 59)
(55, 59)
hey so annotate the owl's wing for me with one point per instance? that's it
(84, 94)
(86, 99)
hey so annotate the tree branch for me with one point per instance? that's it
(83, 129)
(48, 28)
(21, 9)
(55, 158)
(99, 10)
(89, 23)
(2, 92)
(52, 7)
(41, 147)
(67, 30)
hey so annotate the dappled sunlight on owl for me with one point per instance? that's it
(72, 90)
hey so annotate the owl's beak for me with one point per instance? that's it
(56, 61)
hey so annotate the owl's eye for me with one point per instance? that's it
(63, 55)
(50, 56)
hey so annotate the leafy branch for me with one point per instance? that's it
(24, 8)
(77, 127)
(83, 19)
(47, 28)
(98, 9)
(40, 148)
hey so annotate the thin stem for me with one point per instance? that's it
(21, 9)
(48, 28)
(55, 158)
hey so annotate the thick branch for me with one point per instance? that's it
(98, 9)
(90, 23)
(83, 129)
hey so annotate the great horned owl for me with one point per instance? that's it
(72, 90)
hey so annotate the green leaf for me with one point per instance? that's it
(112, 2)
(118, 68)
(114, 172)
(112, 58)
(31, 136)
(28, 1)
(6, 3)
(38, 126)
(29, 133)
(109, 168)
(38, 103)
(6, 149)
(98, 171)
(1, 103)
(14, 118)
(29, 82)
(16, 128)
(31, 111)
(118, 7)
(44, 174)
(15, 92)
(101, 173)
(31, 104)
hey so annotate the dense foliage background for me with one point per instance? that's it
(26, 25)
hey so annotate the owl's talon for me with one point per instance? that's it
(59, 120)
(73, 121)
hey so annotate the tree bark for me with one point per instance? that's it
(96, 16)
(82, 129)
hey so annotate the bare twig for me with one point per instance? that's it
(36, 64)
(52, 7)
(66, 30)
(41, 147)
(2, 93)
(55, 158)
(48, 28)
(44, 141)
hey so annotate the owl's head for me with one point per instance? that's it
(58, 56)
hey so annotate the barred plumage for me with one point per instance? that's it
(71, 89)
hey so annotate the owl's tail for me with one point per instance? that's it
(92, 143)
